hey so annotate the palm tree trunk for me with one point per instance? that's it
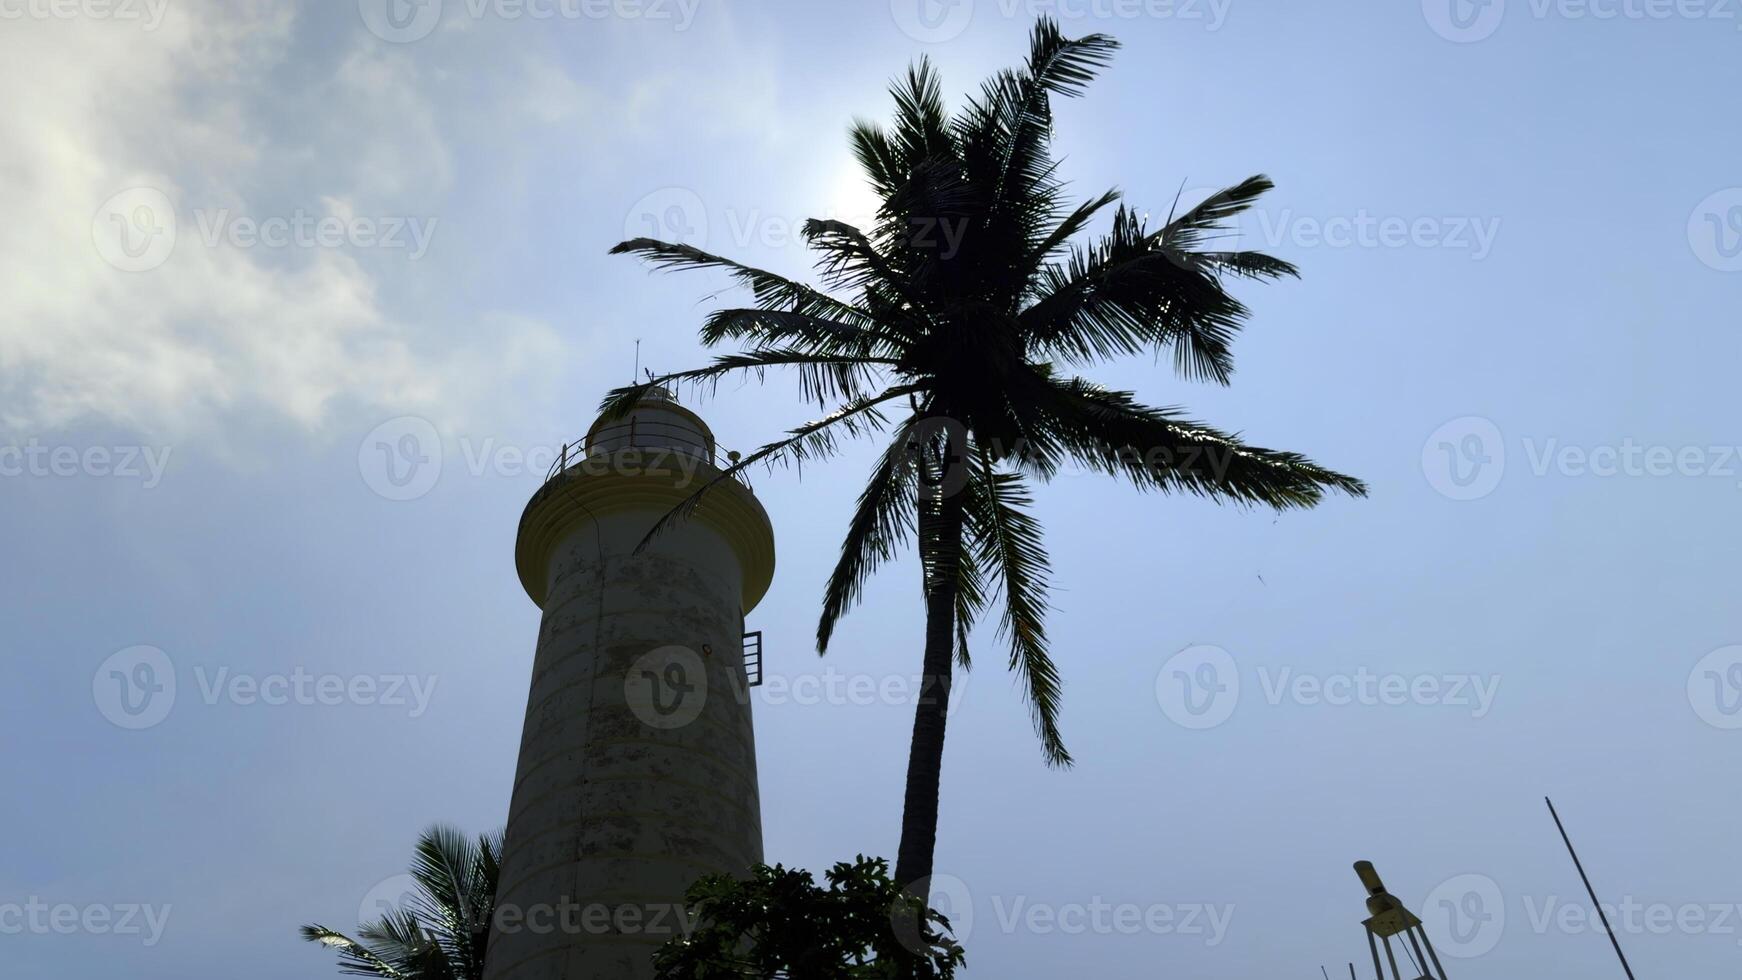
(940, 542)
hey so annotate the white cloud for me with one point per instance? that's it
(218, 337)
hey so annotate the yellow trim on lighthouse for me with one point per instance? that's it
(573, 497)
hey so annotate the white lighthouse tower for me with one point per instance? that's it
(637, 770)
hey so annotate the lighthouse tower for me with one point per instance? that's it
(637, 770)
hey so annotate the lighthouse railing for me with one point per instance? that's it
(646, 436)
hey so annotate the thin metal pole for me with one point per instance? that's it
(1425, 941)
(1392, 958)
(1373, 947)
(1421, 958)
(1588, 889)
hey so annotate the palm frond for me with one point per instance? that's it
(448, 911)
(1248, 265)
(970, 603)
(355, 959)
(822, 380)
(763, 327)
(1209, 218)
(1008, 544)
(878, 157)
(879, 529)
(1158, 449)
(1005, 135)
(850, 261)
(1070, 226)
(1061, 65)
(400, 939)
(771, 290)
(1129, 293)
(921, 122)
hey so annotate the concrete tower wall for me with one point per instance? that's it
(637, 770)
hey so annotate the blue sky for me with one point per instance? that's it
(1520, 228)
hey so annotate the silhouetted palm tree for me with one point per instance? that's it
(969, 301)
(440, 934)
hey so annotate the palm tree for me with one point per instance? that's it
(440, 934)
(969, 301)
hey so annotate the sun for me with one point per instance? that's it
(849, 196)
